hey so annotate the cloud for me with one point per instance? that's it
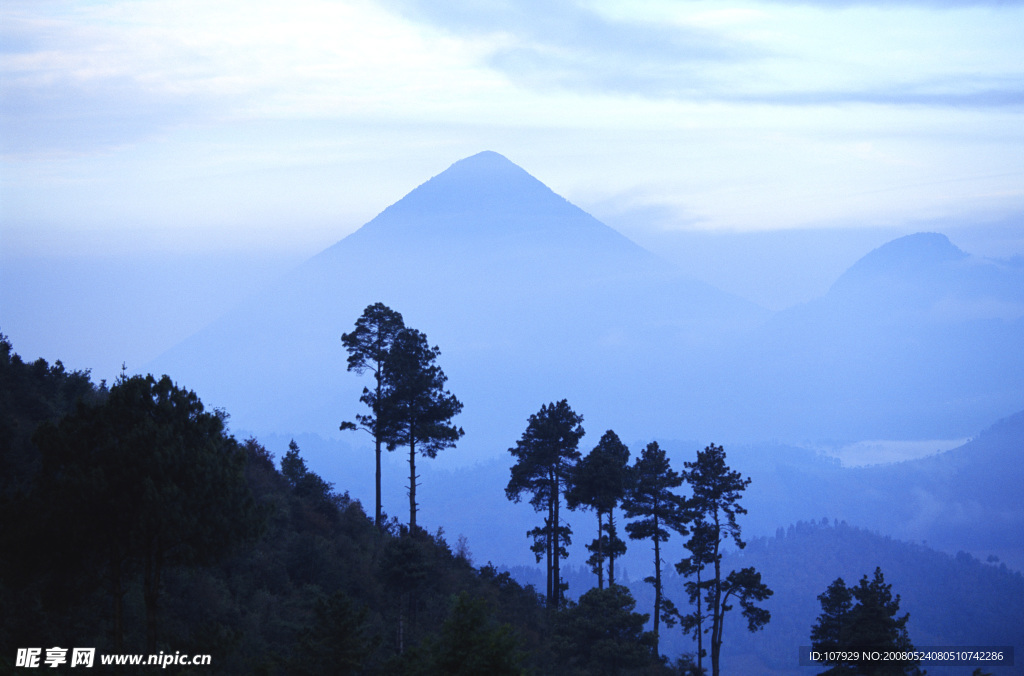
(81, 76)
(76, 119)
(935, 4)
(1010, 95)
(69, 83)
(569, 46)
(566, 45)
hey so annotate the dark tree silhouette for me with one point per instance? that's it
(149, 480)
(338, 641)
(701, 548)
(31, 393)
(546, 455)
(871, 623)
(405, 567)
(658, 511)
(831, 632)
(600, 482)
(368, 345)
(471, 642)
(420, 410)
(323, 591)
(715, 503)
(601, 634)
(308, 485)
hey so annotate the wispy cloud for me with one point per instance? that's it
(936, 4)
(101, 73)
(758, 112)
(698, 55)
(567, 45)
(953, 93)
(75, 80)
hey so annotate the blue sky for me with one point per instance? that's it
(267, 128)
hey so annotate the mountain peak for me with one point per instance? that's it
(483, 183)
(911, 256)
(485, 196)
(486, 159)
(922, 248)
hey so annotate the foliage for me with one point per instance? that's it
(307, 485)
(600, 634)
(472, 642)
(318, 589)
(149, 479)
(701, 547)
(546, 456)
(339, 641)
(368, 345)
(953, 600)
(831, 632)
(871, 623)
(33, 393)
(418, 407)
(30, 394)
(656, 509)
(717, 490)
(600, 481)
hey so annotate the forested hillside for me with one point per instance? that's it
(953, 600)
(308, 584)
(133, 522)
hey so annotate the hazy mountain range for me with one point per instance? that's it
(532, 300)
(966, 498)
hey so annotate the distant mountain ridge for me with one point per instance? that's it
(532, 300)
(918, 252)
(917, 339)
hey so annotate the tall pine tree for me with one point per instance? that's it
(600, 482)
(859, 619)
(715, 503)
(419, 409)
(546, 456)
(831, 632)
(701, 548)
(657, 511)
(368, 345)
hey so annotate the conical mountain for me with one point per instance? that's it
(529, 298)
(481, 197)
(532, 300)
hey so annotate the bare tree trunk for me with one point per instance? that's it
(412, 480)
(700, 628)
(548, 564)
(401, 627)
(716, 612)
(557, 552)
(151, 592)
(117, 591)
(657, 590)
(378, 516)
(412, 487)
(611, 554)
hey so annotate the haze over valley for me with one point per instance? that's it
(533, 300)
(785, 236)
